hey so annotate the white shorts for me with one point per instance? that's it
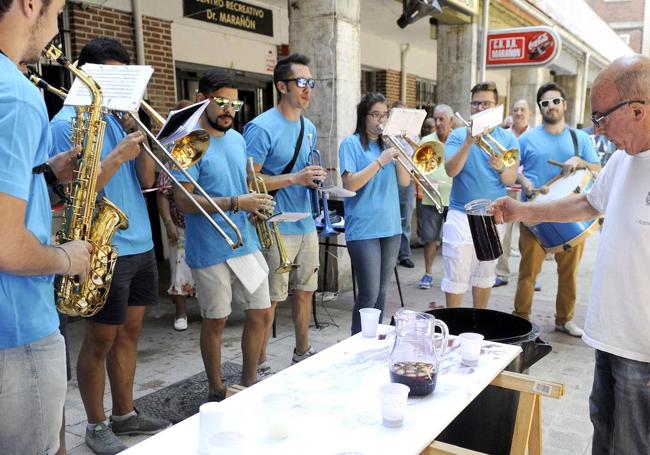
(217, 287)
(462, 269)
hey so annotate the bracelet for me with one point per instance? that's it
(381, 166)
(234, 204)
(67, 255)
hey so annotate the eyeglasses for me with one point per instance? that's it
(302, 82)
(597, 117)
(223, 103)
(555, 101)
(378, 115)
(484, 104)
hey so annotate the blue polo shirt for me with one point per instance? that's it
(374, 212)
(477, 179)
(27, 311)
(270, 141)
(221, 172)
(537, 146)
(123, 189)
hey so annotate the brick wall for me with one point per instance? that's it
(621, 12)
(388, 82)
(87, 22)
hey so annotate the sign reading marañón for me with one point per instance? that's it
(231, 13)
(525, 46)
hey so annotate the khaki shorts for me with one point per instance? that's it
(302, 249)
(217, 287)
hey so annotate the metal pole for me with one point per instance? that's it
(583, 88)
(403, 79)
(484, 34)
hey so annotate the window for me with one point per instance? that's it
(425, 94)
(368, 81)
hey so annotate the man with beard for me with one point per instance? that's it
(553, 140)
(111, 336)
(280, 142)
(219, 272)
(32, 352)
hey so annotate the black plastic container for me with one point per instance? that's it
(487, 424)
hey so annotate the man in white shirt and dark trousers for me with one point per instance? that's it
(618, 315)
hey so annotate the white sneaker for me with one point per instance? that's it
(180, 324)
(570, 328)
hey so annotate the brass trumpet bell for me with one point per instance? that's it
(190, 148)
(429, 156)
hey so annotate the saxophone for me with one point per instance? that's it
(85, 218)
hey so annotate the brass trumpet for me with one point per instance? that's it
(429, 156)
(509, 156)
(266, 231)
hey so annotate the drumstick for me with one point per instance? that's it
(558, 164)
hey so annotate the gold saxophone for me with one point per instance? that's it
(85, 218)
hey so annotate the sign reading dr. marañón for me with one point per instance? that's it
(231, 13)
(525, 46)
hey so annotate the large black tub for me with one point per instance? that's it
(487, 424)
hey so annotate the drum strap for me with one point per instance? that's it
(574, 138)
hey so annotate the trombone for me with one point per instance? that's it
(426, 158)
(190, 149)
(509, 156)
(264, 230)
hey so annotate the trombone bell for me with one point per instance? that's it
(190, 148)
(429, 156)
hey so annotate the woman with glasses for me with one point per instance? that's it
(372, 217)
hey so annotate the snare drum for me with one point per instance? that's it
(558, 237)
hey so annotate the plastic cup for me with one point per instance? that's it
(369, 321)
(485, 235)
(212, 418)
(470, 348)
(277, 413)
(393, 404)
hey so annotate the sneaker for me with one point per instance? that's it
(300, 357)
(538, 287)
(570, 328)
(180, 324)
(499, 282)
(218, 396)
(139, 424)
(103, 441)
(406, 262)
(425, 282)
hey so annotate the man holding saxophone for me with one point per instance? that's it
(32, 353)
(111, 335)
(223, 275)
(280, 142)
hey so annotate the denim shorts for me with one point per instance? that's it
(32, 394)
(135, 283)
(431, 223)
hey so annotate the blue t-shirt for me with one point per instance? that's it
(221, 172)
(374, 212)
(537, 146)
(271, 140)
(123, 189)
(27, 311)
(477, 179)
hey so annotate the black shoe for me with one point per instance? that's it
(538, 287)
(406, 262)
(499, 282)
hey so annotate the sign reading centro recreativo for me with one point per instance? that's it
(525, 46)
(231, 13)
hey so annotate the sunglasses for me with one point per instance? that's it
(597, 117)
(555, 101)
(302, 82)
(223, 103)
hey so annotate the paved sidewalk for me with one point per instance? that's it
(166, 356)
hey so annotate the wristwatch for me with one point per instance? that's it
(48, 173)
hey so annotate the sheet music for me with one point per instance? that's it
(405, 122)
(337, 191)
(181, 122)
(250, 269)
(486, 120)
(122, 86)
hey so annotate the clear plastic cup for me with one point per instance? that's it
(369, 321)
(226, 443)
(393, 404)
(485, 236)
(212, 418)
(277, 414)
(470, 348)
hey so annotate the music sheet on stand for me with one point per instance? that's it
(122, 86)
(251, 269)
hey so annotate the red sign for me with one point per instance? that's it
(525, 46)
